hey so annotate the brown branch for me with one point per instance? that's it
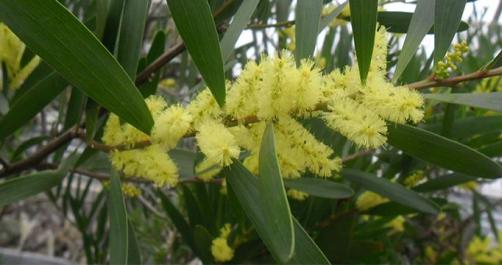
(357, 155)
(453, 81)
(41, 154)
(274, 25)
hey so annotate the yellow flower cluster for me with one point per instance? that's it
(128, 190)
(482, 251)
(414, 179)
(11, 53)
(297, 195)
(151, 162)
(450, 61)
(368, 200)
(274, 90)
(220, 249)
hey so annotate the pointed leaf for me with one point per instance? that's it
(490, 101)
(320, 188)
(363, 17)
(393, 191)
(420, 24)
(308, 15)
(133, 255)
(195, 24)
(53, 33)
(274, 202)
(448, 14)
(442, 151)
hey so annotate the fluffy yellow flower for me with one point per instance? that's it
(151, 163)
(204, 107)
(217, 143)
(171, 125)
(130, 191)
(297, 195)
(357, 123)
(369, 200)
(397, 224)
(220, 249)
(242, 97)
(207, 170)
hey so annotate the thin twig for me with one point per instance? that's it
(453, 81)
(285, 24)
(357, 155)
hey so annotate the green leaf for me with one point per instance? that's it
(185, 161)
(22, 187)
(245, 187)
(363, 17)
(239, 22)
(399, 22)
(30, 103)
(156, 50)
(53, 33)
(320, 188)
(443, 182)
(274, 202)
(203, 241)
(178, 220)
(113, 13)
(448, 14)
(132, 26)
(74, 108)
(471, 126)
(307, 16)
(495, 62)
(118, 248)
(393, 191)
(490, 101)
(442, 151)
(492, 150)
(420, 24)
(195, 24)
(133, 255)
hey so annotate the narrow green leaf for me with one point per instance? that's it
(490, 101)
(447, 17)
(245, 187)
(156, 50)
(442, 151)
(393, 191)
(471, 126)
(113, 13)
(495, 62)
(363, 17)
(31, 103)
(274, 202)
(185, 161)
(420, 24)
(178, 220)
(307, 19)
(443, 182)
(53, 33)
(203, 240)
(239, 22)
(119, 231)
(320, 188)
(134, 255)
(22, 187)
(74, 108)
(132, 26)
(492, 150)
(195, 24)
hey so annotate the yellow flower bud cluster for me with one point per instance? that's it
(273, 90)
(297, 195)
(451, 60)
(11, 53)
(220, 249)
(368, 200)
(128, 189)
(152, 162)
(414, 179)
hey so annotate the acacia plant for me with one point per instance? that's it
(163, 141)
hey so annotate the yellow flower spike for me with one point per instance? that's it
(242, 97)
(297, 195)
(308, 93)
(220, 249)
(11, 50)
(217, 143)
(204, 107)
(130, 190)
(357, 123)
(171, 125)
(379, 59)
(368, 200)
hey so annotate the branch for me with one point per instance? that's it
(453, 81)
(41, 154)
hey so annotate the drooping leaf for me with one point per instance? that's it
(363, 17)
(399, 22)
(443, 152)
(447, 17)
(471, 126)
(119, 231)
(53, 33)
(420, 24)
(393, 191)
(320, 188)
(308, 14)
(132, 26)
(195, 24)
(245, 187)
(31, 103)
(274, 202)
(490, 101)
(239, 22)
